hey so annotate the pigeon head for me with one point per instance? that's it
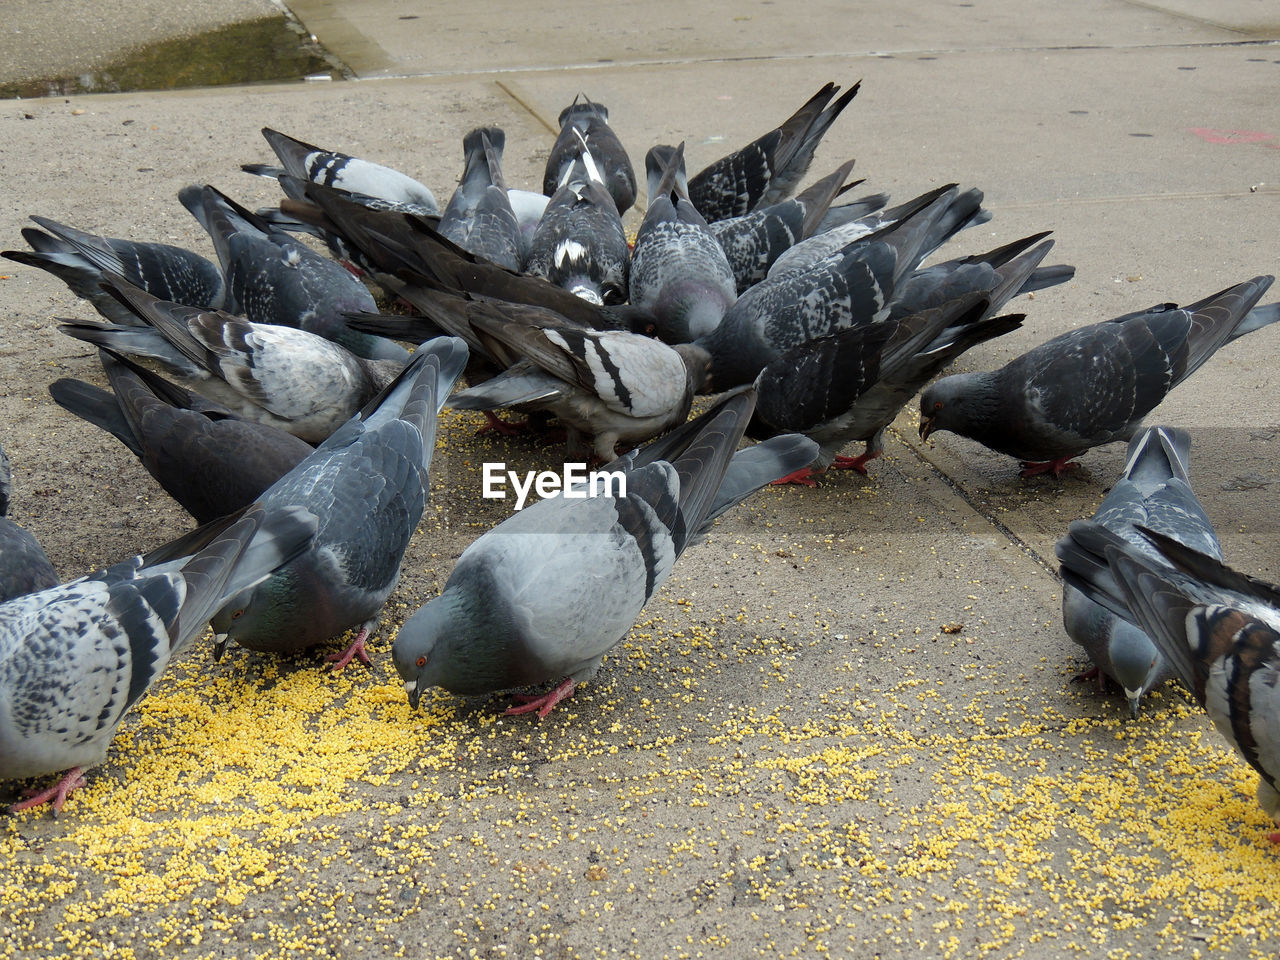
(252, 618)
(958, 403)
(419, 651)
(1137, 665)
(697, 360)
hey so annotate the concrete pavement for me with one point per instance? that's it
(848, 723)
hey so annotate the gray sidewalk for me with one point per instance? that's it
(848, 722)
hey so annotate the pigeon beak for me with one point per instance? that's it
(219, 646)
(415, 694)
(926, 427)
(1135, 701)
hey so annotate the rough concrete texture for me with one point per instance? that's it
(848, 723)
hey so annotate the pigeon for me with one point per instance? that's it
(81, 261)
(754, 241)
(679, 271)
(851, 287)
(851, 384)
(611, 385)
(1086, 387)
(1153, 492)
(589, 122)
(367, 486)
(769, 168)
(273, 278)
(24, 566)
(1218, 629)
(343, 172)
(580, 243)
(549, 591)
(479, 217)
(287, 378)
(75, 657)
(208, 459)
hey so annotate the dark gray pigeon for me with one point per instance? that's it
(208, 459)
(1153, 492)
(547, 593)
(589, 122)
(273, 278)
(754, 241)
(580, 243)
(849, 386)
(82, 260)
(74, 658)
(479, 217)
(610, 385)
(24, 566)
(367, 485)
(1218, 629)
(287, 378)
(679, 271)
(1086, 387)
(344, 172)
(770, 167)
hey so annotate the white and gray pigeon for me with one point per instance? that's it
(754, 241)
(1218, 629)
(580, 243)
(610, 385)
(24, 566)
(74, 658)
(290, 379)
(479, 217)
(849, 386)
(367, 486)
(344, 172)
(770, 167)
(1153, 492)
(274, 278)
(547, 593)
(589, 121)
(1089, 386)
(209, 460)
(679, 271)
(82, 260)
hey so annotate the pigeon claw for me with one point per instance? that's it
(73, 779)
(1056, 467)
(858, 463)
(357, 650)
(542, 703)
(499, 426)
(803, 477)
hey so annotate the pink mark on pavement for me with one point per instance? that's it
(1211, 135)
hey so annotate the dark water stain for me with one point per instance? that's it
(273, 49)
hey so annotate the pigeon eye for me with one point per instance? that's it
(937, 405)
(237, 614)
(422, 661)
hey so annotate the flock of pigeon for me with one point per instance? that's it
(300, 430)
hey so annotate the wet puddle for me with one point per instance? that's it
(274, 49)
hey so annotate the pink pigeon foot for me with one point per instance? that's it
(500, 426)
(1056, 467)
(803, 477)
(858, 463)
(543, 703)
(73, 779)
(357, 649)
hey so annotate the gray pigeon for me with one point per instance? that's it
(589, 122)
(547, 593)
(74, 658)
(344, 172)
(82, 260)
(367, 485)
(580, 243)
(24, 566)
(1218, 629)
(288, 378)
(770, 167)
(679, 271)
(1153, 492)
(273, 278)
(479, 217)
(850, 385)
(208, 459)
(611, 385)
(1089, 386)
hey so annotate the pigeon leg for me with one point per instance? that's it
(803, 476)
(357, 649)
(1056, 467)
(1274, 837)
(544, 703)
(858, 463)
(501, 427)
(73, 779)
